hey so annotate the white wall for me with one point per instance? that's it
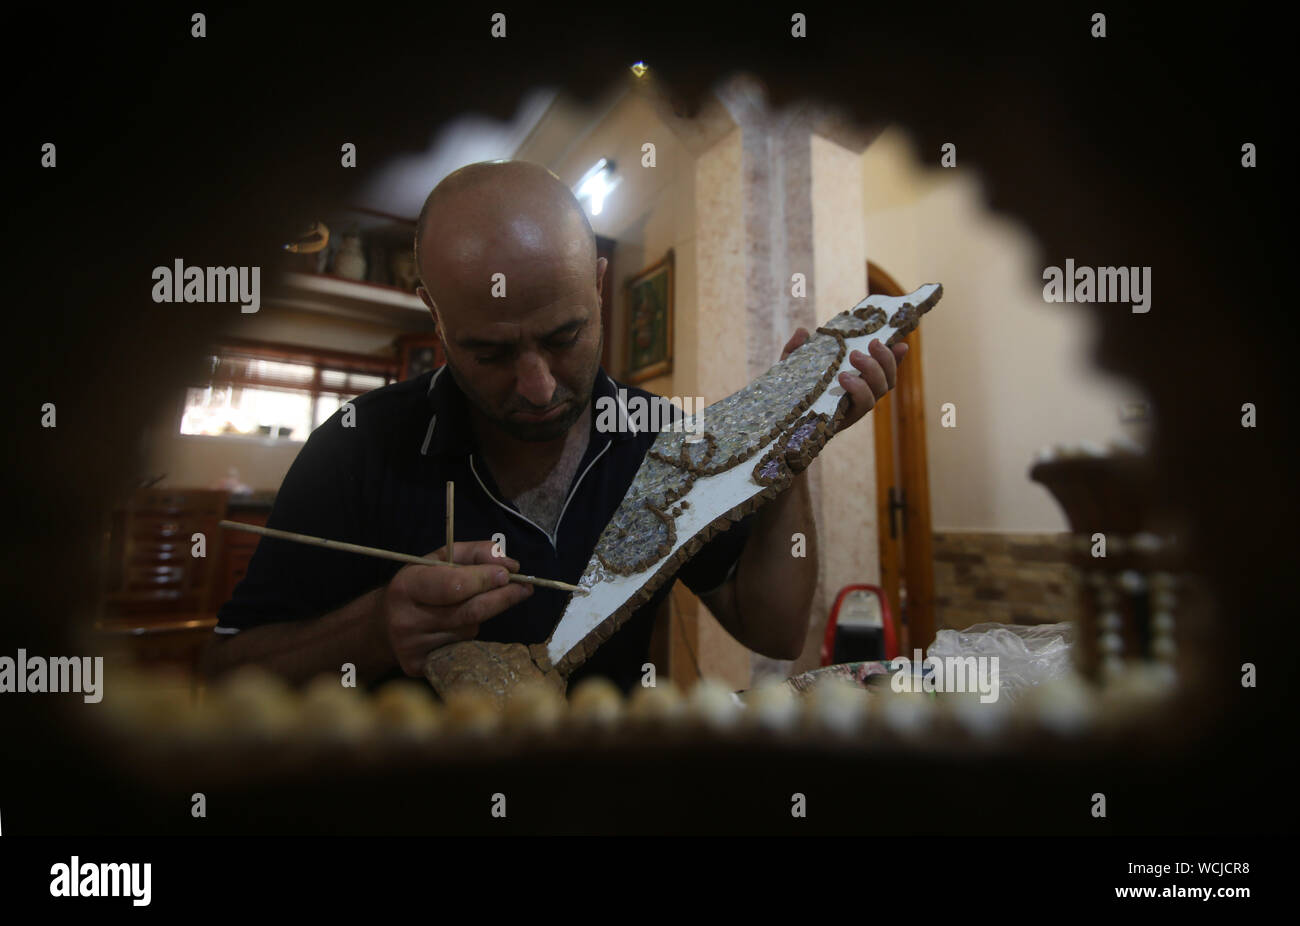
(652, 210)
(1015, 367)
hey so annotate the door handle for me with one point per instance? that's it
(897, 504)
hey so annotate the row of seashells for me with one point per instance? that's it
(252, 706)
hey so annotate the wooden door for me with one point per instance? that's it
(903, 491)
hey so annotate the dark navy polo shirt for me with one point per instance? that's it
(382, 483)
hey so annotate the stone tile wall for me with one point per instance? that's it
(1008, 578)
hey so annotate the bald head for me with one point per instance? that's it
(516, 205)
(509, 270)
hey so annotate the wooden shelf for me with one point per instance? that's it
(331, 295)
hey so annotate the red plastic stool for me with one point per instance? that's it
(891, 639)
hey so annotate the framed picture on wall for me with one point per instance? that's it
(648, 344)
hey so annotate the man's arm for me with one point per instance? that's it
(398, 624)
(767, 603)
(299, 650)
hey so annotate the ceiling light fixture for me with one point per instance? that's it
(596, 184)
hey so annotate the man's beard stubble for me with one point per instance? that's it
(531, 431)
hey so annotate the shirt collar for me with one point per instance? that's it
(449, 434)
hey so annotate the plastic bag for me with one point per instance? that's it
(1028, 655)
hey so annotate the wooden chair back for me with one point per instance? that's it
(153, 569)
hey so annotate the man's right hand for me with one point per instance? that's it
(425, 607)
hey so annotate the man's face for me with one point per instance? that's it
(526, 361)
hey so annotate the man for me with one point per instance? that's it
(510, 273)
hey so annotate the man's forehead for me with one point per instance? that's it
(519, 248)
(516, 295)
(514, 319)
(540, 316)
(510, 331)
(516, 240)
(473, 270)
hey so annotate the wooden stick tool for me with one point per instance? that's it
(451, 534)
(387, 554)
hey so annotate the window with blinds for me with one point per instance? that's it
(277, 391)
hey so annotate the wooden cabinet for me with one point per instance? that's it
(161, 600)
(153, 570)
(237, 550)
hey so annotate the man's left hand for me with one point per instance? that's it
(877, 374)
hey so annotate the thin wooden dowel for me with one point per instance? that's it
(451, 533)
(386, 554)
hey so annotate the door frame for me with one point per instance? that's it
(905, 560)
